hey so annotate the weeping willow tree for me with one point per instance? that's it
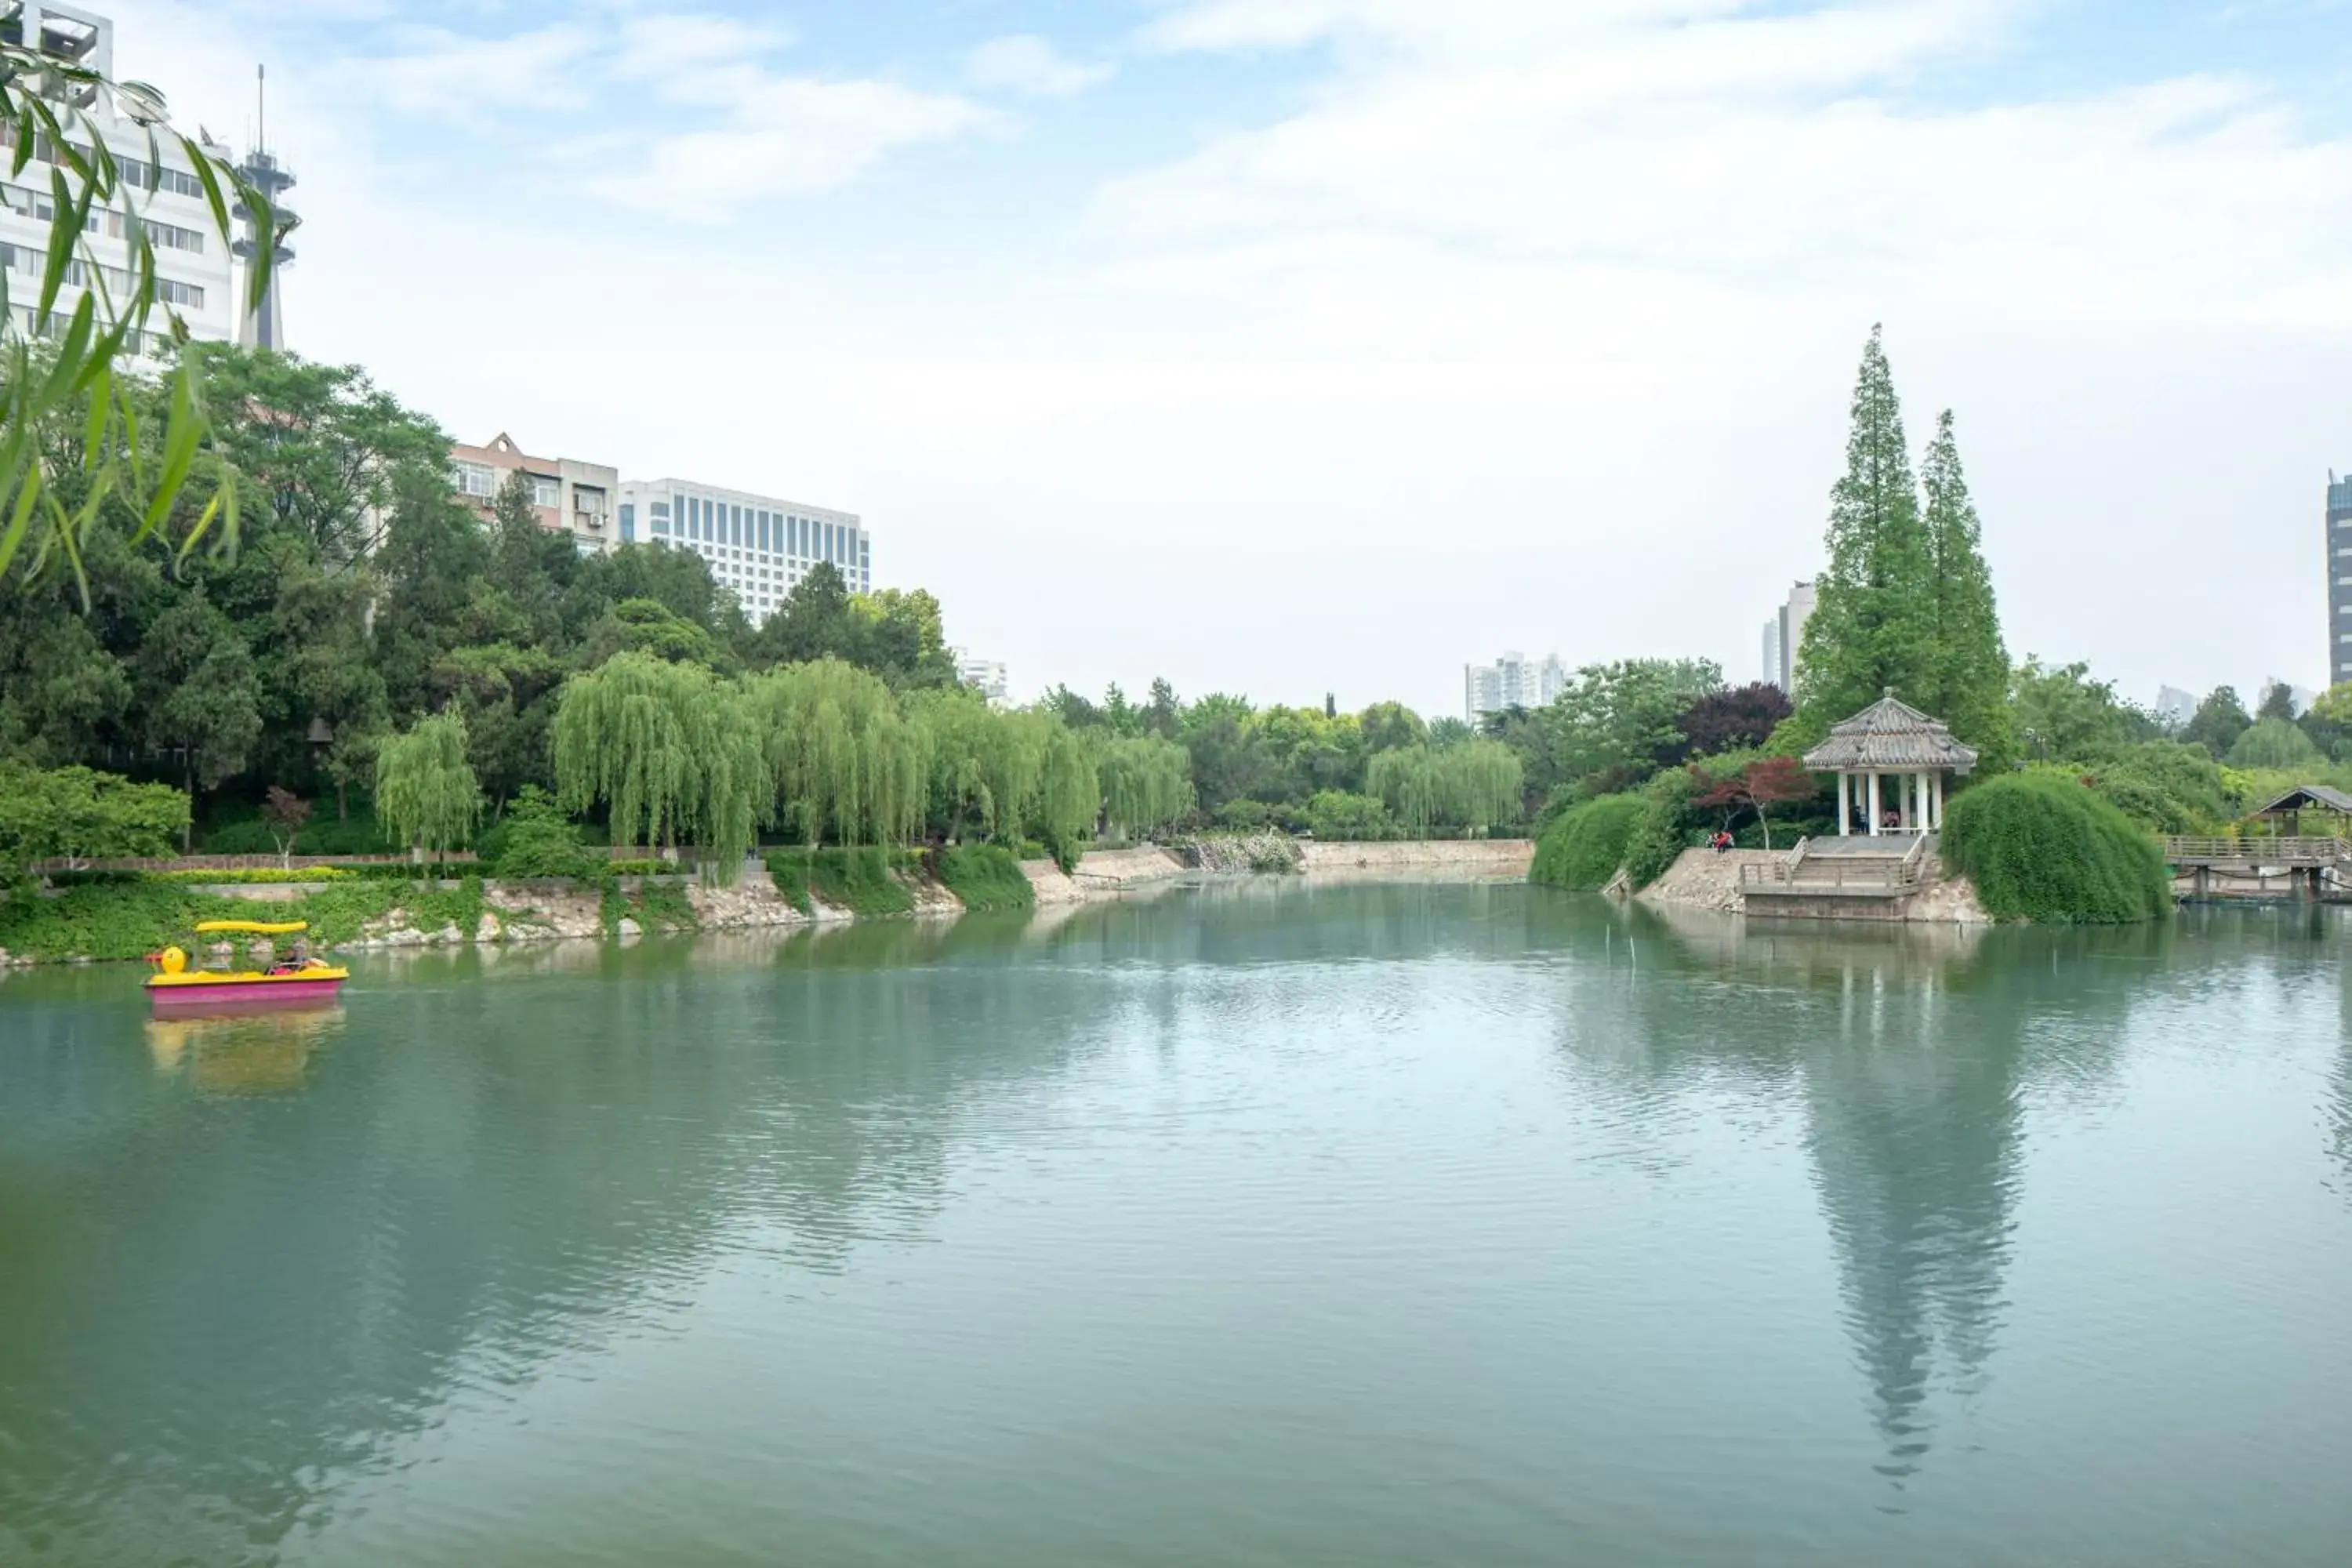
(1070, 792)
(1146, 783)
(671, 750)
(964, 733)
(1472, 785)
(842, 761)
(425, 791)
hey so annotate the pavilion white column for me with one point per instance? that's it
(1938, 812)
(1845, 804)
(1873, 806)
(1904, 784)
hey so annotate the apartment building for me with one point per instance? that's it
(567, 495)
(758, 546)
(989, 676)
(196, 275)
(1511, 681)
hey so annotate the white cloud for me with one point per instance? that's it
(666, 44)
(437, 72)
(1777, 153)
(1030, 66)
(789, 136)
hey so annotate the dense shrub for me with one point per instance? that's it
(536, 838)
(2273, 743)
(2165, 785)
(2041, 846)
(1243, 816)
(1341, 817)
(1584, 847)
(985, 876)
(323, 835)
(1663, 830)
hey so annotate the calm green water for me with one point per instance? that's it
(1370, 1225)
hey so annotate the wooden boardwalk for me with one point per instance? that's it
(2188, 854)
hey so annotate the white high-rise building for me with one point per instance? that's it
(196, 277)
(1512, 681)
(1784, 635)
(758, 546)
(988, 677)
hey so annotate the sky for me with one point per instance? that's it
(1295, 347)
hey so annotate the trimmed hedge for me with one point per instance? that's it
(986, 876)
(2041, 846)
(1584, 847)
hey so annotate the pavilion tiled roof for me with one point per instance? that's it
(1890, 737)
(2305, 795)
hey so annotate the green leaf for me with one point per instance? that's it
(62, 237)
(180, 431)
(27, 497)
(211, 181)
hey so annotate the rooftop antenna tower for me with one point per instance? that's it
(261, 323)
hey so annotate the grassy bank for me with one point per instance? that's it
(986, 876)
(864, 881)
(130, 919)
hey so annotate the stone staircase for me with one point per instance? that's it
(1858, 878)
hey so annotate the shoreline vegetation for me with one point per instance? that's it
(385, 666)
(102, 916)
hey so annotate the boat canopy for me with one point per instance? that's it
(256, 928)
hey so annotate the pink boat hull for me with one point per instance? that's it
(243, 994)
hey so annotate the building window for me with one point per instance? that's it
(473, 478)
(545, 491)
(176, 293)
(659, 509)
(628, 522)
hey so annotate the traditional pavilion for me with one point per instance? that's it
(1890, 760)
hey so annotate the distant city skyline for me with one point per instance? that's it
(1186, 248)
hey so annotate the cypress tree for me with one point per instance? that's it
(1968, 683)
(1872, 625)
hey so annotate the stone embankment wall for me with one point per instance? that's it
(1101, 872)
(1497, 857)
(1701, 879)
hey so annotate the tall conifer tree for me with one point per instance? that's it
(1872, 625)
(1968, 685)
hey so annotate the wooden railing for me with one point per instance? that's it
(2184, 850)
(1833, 874)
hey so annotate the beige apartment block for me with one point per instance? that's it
(567, 496)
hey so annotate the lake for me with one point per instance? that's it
(1262, 1225)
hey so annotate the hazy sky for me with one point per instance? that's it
(1295, 346)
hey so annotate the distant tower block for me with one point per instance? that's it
(261, 323)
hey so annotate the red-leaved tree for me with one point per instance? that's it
(285, 812)
(1761, 786)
